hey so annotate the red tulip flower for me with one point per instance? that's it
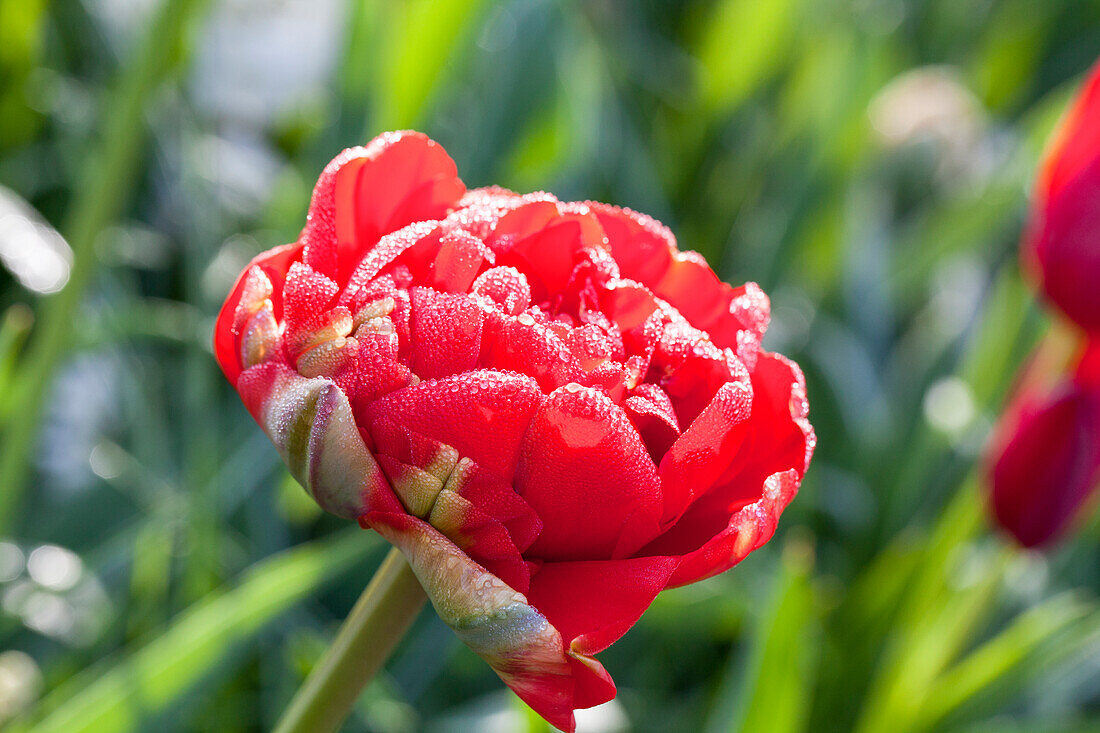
(1045, 453)
(1063, 243)
(551, 410)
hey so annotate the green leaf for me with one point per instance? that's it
(144, 683)
(743, 44)
(416, 40)
(775, 691)
(995, 660)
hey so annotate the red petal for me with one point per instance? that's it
(521, 344)
(494, 620)
(460, 258)
(446, 333)
(1046, 463)
(642, 246)
(690, 369)
(365, 193)
(650, 409)
(592, 604)
(748, 529)
(484, 414)
(775, 440)
(506, 287)
(308, 297)
(646, 252)
(542, 239)
(586, 473)
(275, 263)
(1077, 142)
(706, 449)
(416, 244)
(461, 475)
(1066, 248)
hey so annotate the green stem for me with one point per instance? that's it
(108, 177)
(376, 623)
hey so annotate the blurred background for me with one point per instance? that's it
(867, 162)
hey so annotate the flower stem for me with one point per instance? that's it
(376, 623)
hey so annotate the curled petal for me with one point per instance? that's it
(650, 409)
(506, 287)
(748, 529)
(592, 604)
(544, 240)
(491, 618)
(311, 424)
(705, 450)
(417, 244)
(232, 317)
(775, 440)
(642, 246)
(366, 193)
(461, 256)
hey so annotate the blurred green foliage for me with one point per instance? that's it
(866, 161)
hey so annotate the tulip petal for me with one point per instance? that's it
(506, 287)
(1077, 142)
(494, 620)
(690, 368)
(521, 344)
(586, 473)
(646, 252)
(445, 333)
(417, 244)
(459, 260)
(1046, 463)
(311, 424)
(748, 529)
(776, 440)
(703, 452)
(543, 240)
(1066, 247)
(650, 410)
(593, 603)
(642, 246)
(227, 330)
(366, 193)
(484, 414)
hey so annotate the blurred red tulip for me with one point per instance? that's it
(1063, 242)
(1047, 461)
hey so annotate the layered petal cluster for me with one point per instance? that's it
(550, 409)
(1045, 454)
